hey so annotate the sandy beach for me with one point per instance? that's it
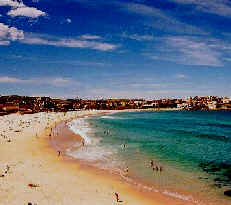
(31, 171)
(31, 161)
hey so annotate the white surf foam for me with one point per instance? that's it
(112, 117)
(92, 151)
(108, 117)
(81, 126)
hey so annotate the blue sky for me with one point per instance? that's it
(115, 48)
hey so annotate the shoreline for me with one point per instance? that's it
(60, 180)
(31, 160)
(165, 196)
(173, 194)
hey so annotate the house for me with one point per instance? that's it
(212, 105)
(226, 100)
(10, 107)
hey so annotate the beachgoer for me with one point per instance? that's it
(83, 143)
(151, 163)
(7, 169)
(123, 146)
(126, 170)
(59, 153)
(117, 196)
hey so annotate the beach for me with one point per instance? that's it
(36, 168)
(36, 174)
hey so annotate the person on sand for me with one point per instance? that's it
(7, 169)
(151, 163)
(83, 143)
(59, 153)
(117, 196)
(126, 172)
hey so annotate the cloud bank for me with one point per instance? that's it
(8, 34)
(54, 81)
(18, 8)
(78, 42)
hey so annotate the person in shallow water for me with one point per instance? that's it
(123, 146)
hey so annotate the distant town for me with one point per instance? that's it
(26, 105)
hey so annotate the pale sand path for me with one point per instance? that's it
(31, 160)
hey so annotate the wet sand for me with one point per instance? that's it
(55, 181)
(67, 139)
(37, 174)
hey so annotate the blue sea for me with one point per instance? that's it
(193, 148)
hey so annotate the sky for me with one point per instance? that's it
(115, 48)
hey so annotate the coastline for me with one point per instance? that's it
(148, 189)
(59, 142)
(61, 179)
(31, 160)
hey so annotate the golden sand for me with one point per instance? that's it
(38, 175)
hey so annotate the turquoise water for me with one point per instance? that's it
(193, 148)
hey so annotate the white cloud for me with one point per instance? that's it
(6, 79)
(27, 12)
(55, 81)
(142, 9)
(180, 76)
(147, 94)
(189, 51)
(68, 20)
(59, 81)
(68, 42)
(20, 9)
(158, 19)
(195, 51)
(218, 7)
(90, 37)
(8, 34)
(139, 37)
(147, 85)
(11, 3)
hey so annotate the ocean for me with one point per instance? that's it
(191, 151)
